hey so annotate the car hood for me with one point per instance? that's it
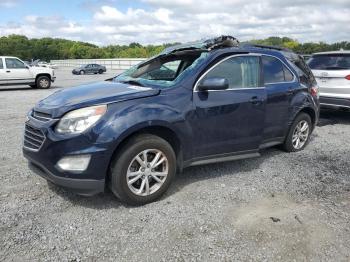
(105, 92)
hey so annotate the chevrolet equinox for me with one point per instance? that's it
(193, 104)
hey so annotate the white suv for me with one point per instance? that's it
(332, 72)
(13, 71)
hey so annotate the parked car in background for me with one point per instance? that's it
(89, 69)
(193, 104)
(13, 71)
(332, 72)
(49, 65)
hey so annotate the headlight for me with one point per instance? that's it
(79, 120)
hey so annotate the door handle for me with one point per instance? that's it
(255, 100)
(290, 91)
(8, 71)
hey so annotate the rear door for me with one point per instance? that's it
(332, 73)
(3, 77)
(230, 120)
(280, 84)
(17, 72)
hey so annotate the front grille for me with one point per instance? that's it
(44, 117)
(33, 138)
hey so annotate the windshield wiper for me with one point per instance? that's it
(132, 82)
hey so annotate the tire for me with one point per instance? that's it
(126, 168)
(297, 138)
(81, 72)
(43, 82)
(100, 71)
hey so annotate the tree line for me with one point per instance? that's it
(54, 48)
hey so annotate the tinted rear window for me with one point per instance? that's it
(275, 71)
(330, 62)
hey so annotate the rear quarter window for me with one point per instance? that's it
(303, 70)
(1, 64)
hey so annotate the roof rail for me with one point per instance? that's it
(269, 47)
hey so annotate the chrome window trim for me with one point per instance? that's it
(195, 89)
(287, 66)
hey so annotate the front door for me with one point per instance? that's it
(17, 72)
(231, 120)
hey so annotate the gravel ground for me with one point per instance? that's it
(279, 207)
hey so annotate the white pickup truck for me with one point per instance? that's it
(13, 71)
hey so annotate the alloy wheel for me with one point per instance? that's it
(147, 172)
(300, 134)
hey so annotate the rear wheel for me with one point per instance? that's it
(299, 133)
(43, 82)
(143, 170)
(100, 71)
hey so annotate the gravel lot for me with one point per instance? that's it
(279, 207)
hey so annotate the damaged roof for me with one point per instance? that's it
(206, 45)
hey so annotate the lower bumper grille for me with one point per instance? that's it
(33, 138)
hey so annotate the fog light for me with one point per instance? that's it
(74, 163)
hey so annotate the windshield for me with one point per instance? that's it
(164, 70)
(330, 62)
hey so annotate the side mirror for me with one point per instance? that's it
(213, 83)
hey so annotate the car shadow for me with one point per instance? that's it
(190, 175)
(100, 201)
(213, 171)
(333, 117)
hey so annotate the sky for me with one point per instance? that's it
(105, 22)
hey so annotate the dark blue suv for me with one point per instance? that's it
(193, 104)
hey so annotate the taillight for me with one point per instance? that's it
(314, 91)
(347, 77)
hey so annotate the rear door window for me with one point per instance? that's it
(288, 76)
(273, 70)
(330, 62)
(1, 64)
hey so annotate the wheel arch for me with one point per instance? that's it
(161, 131)
(43, 74)
(311, 112)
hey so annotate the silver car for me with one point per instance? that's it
(332, 72)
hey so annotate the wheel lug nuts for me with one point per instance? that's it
(152, 170)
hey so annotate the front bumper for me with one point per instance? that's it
(86, 187)
(334, 102)
(44, 160)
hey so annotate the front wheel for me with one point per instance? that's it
(100, 71)
(299, 133)
(43, 82)
(143, 170)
